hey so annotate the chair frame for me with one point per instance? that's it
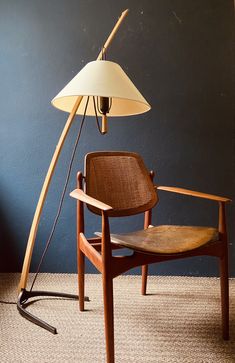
(99, 252)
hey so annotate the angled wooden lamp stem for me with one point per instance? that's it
(43, 194)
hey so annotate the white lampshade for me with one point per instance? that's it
(106, 79)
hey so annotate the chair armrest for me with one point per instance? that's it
(193, 193)
(83, 197)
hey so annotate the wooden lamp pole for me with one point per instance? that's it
(43, 194)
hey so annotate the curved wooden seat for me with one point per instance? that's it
(118, 184)
(167, 239)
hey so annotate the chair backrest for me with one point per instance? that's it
(121, 180)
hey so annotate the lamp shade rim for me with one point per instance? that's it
(102, 78)
(143, 106)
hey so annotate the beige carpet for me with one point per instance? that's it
(179, 321)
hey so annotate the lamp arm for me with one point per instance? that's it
(45, 187)
(112, 34)
(42, 197)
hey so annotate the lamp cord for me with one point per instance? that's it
(63, 192)
(8, 302)
(62, 195)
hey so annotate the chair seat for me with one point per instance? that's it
(167, 239)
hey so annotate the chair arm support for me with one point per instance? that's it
(83, 197)
(193, 193)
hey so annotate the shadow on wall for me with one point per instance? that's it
(9, 259)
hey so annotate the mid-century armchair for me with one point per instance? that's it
(118, 184)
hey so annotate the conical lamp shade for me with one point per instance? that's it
(106, 79)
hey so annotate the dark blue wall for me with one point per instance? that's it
(178, 53)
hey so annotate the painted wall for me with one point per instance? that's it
(178, 53)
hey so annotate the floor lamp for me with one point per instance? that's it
(103, 89)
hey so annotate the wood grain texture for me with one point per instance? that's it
(147, 223)
(83, 197)
(112, 34)
(167, 239)
(151, 244)
(107, 280)
(193, 193)
(80, 254)
(90, 252)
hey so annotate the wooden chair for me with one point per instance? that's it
(118, 184)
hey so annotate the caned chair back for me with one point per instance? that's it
(121, 180)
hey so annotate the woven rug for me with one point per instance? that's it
(178, 321)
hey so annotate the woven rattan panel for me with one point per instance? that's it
(121, 180)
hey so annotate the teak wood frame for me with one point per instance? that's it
(99, 252)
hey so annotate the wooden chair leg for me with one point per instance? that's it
(224, 285)
(81, 268)
(144, 279)
(108, 317)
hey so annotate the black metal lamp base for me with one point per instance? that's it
(25, 295)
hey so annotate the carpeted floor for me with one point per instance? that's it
(179, 321)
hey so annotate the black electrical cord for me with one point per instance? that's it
(62, 196)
